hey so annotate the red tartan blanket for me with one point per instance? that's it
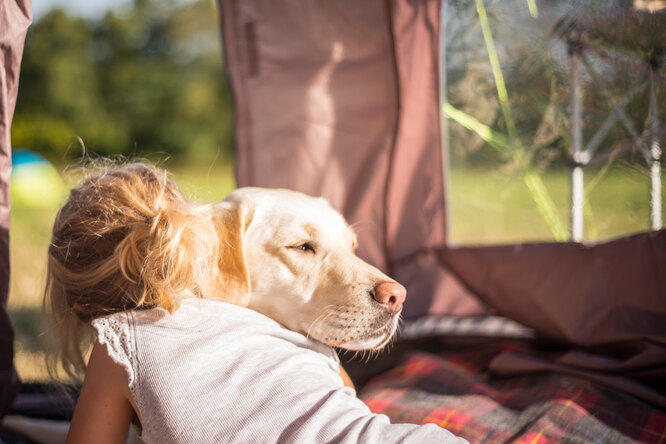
(452, 390)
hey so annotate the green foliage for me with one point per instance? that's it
(148, 79)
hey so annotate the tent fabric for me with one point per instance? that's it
(15, 17)
(609, 300)
(340, 99)
(613, 292)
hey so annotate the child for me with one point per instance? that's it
(130, 274)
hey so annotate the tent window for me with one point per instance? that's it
(553, 114)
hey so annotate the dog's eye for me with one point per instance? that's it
(306, 247)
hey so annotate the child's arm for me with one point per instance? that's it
(103, 411)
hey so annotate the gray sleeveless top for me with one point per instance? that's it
(218, 373)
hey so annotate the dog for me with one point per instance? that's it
(292, 258)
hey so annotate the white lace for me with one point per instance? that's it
(114, 332)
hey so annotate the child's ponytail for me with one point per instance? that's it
(125, 239)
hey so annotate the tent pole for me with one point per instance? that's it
(655, 151)
(576, 203)
(443, 124)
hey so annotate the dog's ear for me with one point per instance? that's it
(233, 279)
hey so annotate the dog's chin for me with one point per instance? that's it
(375, 340)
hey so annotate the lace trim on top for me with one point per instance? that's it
(114, 332)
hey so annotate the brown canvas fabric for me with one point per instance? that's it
(340, 99)
(415, 219)
(315, 87)
(15, 17)
(588, 295)
(608, 299)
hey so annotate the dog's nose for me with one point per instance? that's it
(391, 295)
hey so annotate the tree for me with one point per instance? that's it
(135, 82)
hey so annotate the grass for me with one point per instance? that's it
(491, 207)
(487, 207)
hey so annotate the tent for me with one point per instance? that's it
(342, 99)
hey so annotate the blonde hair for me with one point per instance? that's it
(125, 239)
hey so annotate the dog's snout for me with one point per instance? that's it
(391, 295)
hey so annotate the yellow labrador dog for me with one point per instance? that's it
(295, 257)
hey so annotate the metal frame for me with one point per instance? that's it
(648, 142)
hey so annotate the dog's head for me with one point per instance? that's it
(291, 257)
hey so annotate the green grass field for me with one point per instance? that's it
(494, 207)
(487, 207)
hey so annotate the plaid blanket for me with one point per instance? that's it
(452, 390)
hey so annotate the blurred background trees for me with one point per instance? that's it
(144, 79)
